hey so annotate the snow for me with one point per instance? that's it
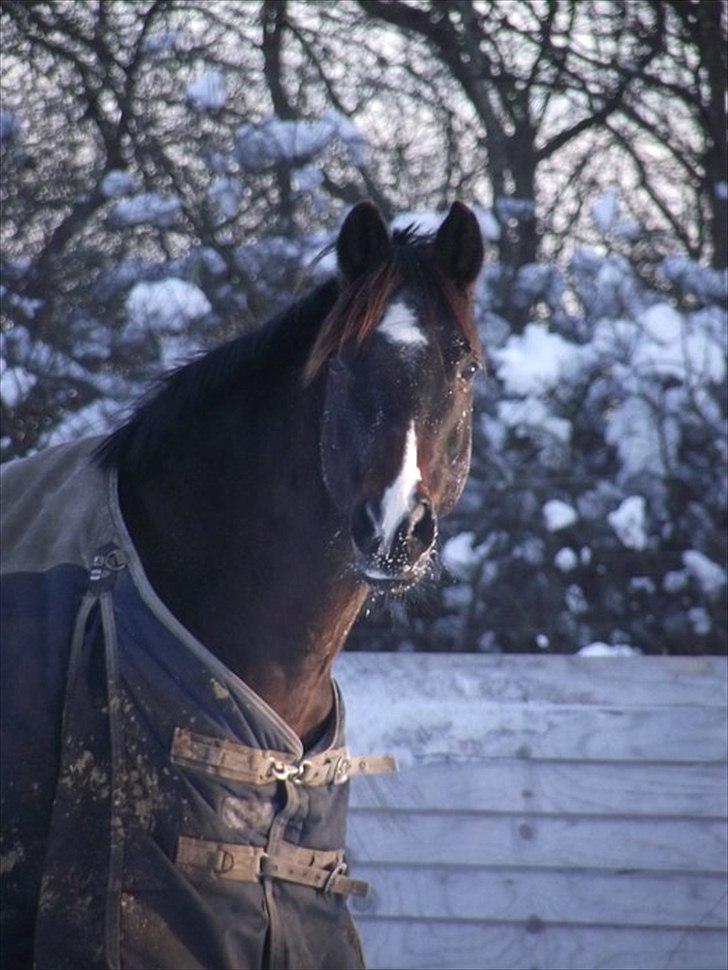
(700, 620)
(212, 261)
(721, 189)
(15, 385)
(207, 92)
(537, 361)
(262, 145)
(675, 581)
(26, 306)
(708, 574)
(168, 305)
(225, 193)
(533, 413)
(558, 515)
(642, 584)
(487, 642)
(460, 557)
(116, 182)
(9, 126)
(645, 441)
(161, 43)
(489, 225)
(702, 281)
(531, 550)
(628, 521)
(575, 600)
(537, 282)
(307, 179)
(600, 649)
(148, 208)
(670, 349)
(566, 559)
(511, 209)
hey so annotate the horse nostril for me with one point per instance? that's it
(365, 530)
(423, 527)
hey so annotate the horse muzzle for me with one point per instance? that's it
(393, 557)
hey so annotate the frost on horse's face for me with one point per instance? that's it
(399, 389)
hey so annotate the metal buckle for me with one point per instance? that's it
(341, 771)
(338, 870)
(115, 560)
(300, 777)
(295, 773)
(224, 862)
(281, 771)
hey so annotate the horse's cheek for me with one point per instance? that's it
(455, 471)
(336, 465)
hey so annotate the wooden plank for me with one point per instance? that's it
(394, 944)
(577, 842)
(525, 786)
(532, 678)
(478, 730)
(504, 895)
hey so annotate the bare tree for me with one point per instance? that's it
(515, 62)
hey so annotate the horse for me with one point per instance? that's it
(175, 776)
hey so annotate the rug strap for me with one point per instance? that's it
(322, 869)
(259, 766)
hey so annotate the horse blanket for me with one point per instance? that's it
(156, 811)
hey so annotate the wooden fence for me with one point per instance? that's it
(551, 812)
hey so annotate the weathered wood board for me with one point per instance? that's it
(567, 896)
(551, 812)
(566, 842)
(450, 946)
(552, 787)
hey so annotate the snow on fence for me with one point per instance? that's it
(551, 812)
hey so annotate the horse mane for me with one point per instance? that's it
(300, 339)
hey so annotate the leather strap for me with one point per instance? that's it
(319, 868)
(257, 766)
(225, 758)
(327, 880)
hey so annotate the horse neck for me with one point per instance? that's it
(247, 551)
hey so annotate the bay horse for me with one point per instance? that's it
(175, 778)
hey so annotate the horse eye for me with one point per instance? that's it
(470, 369)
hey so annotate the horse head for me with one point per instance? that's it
(397, 356)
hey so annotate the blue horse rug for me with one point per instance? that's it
(157, 813)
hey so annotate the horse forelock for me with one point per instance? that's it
(361, 304)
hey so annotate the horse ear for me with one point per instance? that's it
(459, 246)
(363, 242)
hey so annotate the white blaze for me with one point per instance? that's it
(399, 326)
(397, 498)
